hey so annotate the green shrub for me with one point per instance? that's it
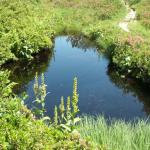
(102, 10)
(143, 10)
(128, 56)
(24, 29)
(132, 2)
(20, 130)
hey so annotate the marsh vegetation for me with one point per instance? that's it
(29, 31)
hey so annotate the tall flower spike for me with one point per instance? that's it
(36, 86)
(75, 97)
(68, 109)
(43, 88)
(55, 116)
(62, 107)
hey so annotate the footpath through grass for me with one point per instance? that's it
(132, 51)
(99, 21)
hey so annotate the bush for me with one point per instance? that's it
(132, 2)
(128, 56)
(24, 29)
(143, 10)
(21, 130)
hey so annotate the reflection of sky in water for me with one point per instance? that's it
(97, 93)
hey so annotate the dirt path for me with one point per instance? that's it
(131, 16)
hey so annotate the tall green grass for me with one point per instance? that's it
(132, 2)
(143, 10)
(117, 135)
(99, 9)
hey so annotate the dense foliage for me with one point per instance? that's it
(129, 54)
(20, 129)
(132, 2)
(132, 50)
(143, 9)
(23, 29)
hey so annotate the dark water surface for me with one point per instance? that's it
(101, 90)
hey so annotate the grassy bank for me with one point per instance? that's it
(132, 51)
(118, 135)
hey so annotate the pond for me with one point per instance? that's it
(101, 90)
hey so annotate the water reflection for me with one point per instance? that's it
(22, 72)
(138, 89)
(81, 42)
(101, 88)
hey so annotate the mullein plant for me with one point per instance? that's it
(62, 110)
(75, 98)
(67, 117)
(40, 95)
(68, 109)
(55, 116)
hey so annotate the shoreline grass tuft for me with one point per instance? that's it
(116, 135)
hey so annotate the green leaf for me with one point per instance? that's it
(65, 127)
(77, 119)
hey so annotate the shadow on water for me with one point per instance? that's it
(101, 88)
(22, 72)
(138, 89)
